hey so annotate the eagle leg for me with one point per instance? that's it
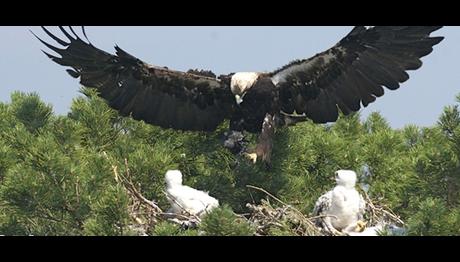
(264, 147)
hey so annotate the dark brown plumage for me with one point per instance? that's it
(354, 71)
(345, 78)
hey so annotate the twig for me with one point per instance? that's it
(371, 205)
(77, 191)
(263, 190)
(392, 215)
(153, 211)
(277, 199)
(322, 216)
(307, 221)
(389, 213)
(127, 182)
(136, 192)
(168, 215)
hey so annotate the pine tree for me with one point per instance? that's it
(223, 222)
(57, 172)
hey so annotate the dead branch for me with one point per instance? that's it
(265, 216)
(266, 192)
(127, 182)
(381, 211)
(277, 199)
(141, 207)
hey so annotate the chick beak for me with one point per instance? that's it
(360, 226)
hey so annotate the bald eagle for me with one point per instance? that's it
(344, 78)
(341, 210)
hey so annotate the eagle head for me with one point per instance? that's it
(241, 83)
(346, 178)
(173, 178)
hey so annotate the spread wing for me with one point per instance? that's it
(195, 100)
(354, 71)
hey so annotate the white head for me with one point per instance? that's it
(346, 178)
(241, 83)
(173, 178)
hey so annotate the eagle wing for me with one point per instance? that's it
(354, 71)
(195, 100)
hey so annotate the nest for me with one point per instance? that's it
(269, 218)
(378, 213)
(146, 214)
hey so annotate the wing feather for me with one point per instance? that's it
(157, 95)
(353, 73)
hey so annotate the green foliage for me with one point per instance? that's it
(110, 213)
(433, 218)
(223, 222)
(375, 122)
(169, 229)
(56, 174)
(281, 231)
(30, 110)
(97, 122)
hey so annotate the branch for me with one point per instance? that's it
(128, 184)
(308, 220)
(322, 216)
(132, 188)
(389, 213)
(263, 190)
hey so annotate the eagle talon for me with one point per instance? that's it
(251, 156)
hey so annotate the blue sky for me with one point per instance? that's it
(223, 50)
